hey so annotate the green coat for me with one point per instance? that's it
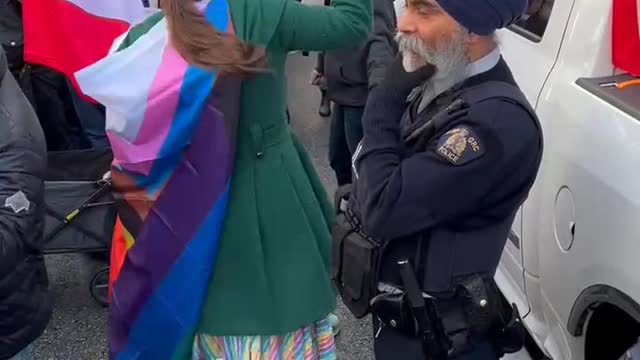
(272, 274)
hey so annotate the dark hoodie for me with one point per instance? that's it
(352, 72)
(25, 307)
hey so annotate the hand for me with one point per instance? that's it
(315, 77)
(400, 82)
(534, 7)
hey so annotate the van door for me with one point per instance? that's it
(589, 197)
(531, 49)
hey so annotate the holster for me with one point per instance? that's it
(480, 307)
(446, 327)
(356, 258)
(394, 310)
(490, 315)
(414, 315)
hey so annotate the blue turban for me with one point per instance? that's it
(483, 17)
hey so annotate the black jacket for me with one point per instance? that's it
(459, 195)
(350, 73)
(11, 34)
(25, 307)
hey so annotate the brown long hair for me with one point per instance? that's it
(202, 45)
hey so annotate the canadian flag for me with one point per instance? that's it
(626, 35)
(69, 35)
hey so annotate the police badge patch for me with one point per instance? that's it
(459, 145)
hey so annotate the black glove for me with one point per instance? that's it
(399, 83)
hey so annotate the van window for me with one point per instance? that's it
(534, 23)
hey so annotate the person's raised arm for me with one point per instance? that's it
(314, 28)
(381, 46)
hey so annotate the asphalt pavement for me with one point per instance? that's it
(78, 327)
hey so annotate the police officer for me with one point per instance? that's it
(450, 151)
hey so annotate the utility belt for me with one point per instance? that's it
(445, 326)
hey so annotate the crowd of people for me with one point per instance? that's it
(433, 145)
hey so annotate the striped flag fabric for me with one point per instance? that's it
(68, 35)
(626, 35)
(172, 128)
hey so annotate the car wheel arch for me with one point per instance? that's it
(594, 296)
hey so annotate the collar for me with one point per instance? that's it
(477, 67)
(484, 64)
(439, 86)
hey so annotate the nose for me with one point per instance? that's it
(406, 23)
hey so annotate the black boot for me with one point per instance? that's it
(325, 105)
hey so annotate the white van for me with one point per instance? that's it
(572, 262)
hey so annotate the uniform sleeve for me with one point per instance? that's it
(381, 44)
(316, 28)
(398, 196)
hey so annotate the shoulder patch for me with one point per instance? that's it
(460, 145)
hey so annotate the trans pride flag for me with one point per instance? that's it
(172, 128)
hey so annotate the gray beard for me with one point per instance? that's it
(434, 87)
(450, 59)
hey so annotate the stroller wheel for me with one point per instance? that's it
(99, 287)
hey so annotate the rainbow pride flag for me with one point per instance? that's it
(172, 128)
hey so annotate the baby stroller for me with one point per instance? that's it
(80, 211)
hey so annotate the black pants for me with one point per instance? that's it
(346, 133)
(389, 344)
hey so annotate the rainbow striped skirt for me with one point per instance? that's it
(314, 342)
